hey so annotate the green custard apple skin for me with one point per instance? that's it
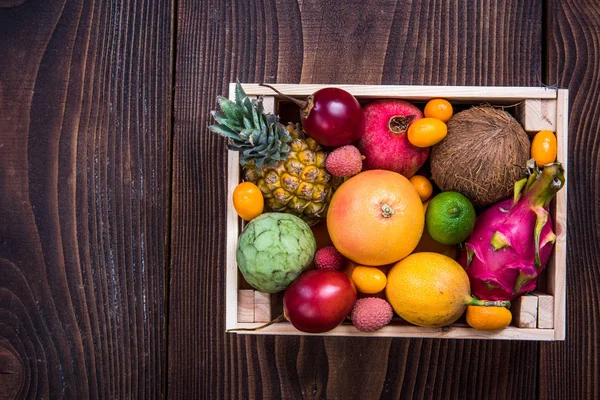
(273, 250)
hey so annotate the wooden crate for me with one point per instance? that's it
(537, 316)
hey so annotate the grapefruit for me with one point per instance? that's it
(375, 218)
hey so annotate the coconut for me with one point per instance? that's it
(482, 156)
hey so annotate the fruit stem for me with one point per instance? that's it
(280, 318)
(542, 187)
(387, 211)
(302, 104)
(488, 303)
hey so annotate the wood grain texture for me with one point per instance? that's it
(525, 311)
(442, 42)
(572, 368)
(545, 310)
(536, 115)
(85, 100)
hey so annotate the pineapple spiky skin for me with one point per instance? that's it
(299, 185)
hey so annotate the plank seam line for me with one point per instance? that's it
(168, 235)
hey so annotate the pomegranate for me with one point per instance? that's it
(384, 142)
(331, 116)
(319, 300)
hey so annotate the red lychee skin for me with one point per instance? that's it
(344, 161)
(385, 149)
(329, 258)
(371, 314)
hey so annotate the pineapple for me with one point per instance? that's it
(287, 166)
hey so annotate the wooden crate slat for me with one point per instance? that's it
(557, 273)
(410, 92)
(406, 331)
(233, 230)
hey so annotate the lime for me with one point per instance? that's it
(450, 218)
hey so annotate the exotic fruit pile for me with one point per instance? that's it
(388, 211)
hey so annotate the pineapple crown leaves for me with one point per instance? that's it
(258, 136)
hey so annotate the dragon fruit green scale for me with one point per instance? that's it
(512, 241)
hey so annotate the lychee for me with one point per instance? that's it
(329, 258)
(344, 161)
(371, 314)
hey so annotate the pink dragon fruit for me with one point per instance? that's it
(512, 240)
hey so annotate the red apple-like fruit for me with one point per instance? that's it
(331, 116)
(319, 300)
(385, 142)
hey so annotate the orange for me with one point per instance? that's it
(368, 280)
(375, 218)
(423, 186)
(438, 108)
(426, 132)
(248, 200)
(543, 148)
(488, 318)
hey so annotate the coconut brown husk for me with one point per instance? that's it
(481, 155)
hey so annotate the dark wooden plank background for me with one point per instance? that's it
(112, 192)
(572, 368)
(85, 149)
